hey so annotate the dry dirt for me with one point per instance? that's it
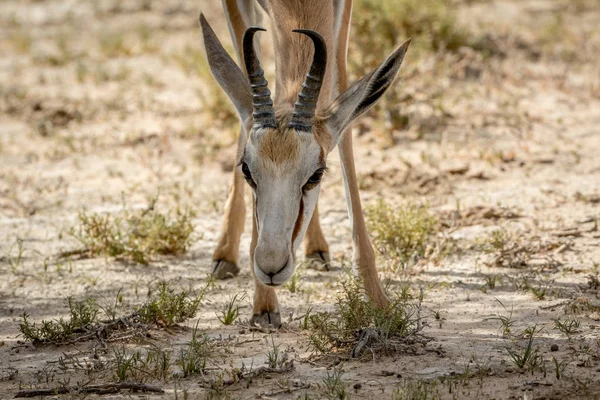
(96, 105)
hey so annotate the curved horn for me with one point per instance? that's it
(263, 111)
(303, 116)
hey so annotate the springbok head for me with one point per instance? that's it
(286, 149)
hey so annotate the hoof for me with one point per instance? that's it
(267, 319)
(319, 261)
(222, 269)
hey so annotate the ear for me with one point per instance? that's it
(359, 97)
(230, 77)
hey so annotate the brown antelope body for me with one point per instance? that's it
(285, 140)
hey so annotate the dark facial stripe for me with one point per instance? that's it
(299, 221)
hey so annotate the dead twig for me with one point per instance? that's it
(108, 388)
(287, 367)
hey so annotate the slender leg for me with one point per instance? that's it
(266, 307)
(364, 256)
(240, 14)
(226, 255)
(315, 245)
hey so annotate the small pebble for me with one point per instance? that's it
(554, 347)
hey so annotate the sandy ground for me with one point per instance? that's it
(98, 103)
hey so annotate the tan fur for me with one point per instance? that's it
(364, 256)
(278, 146)
(314, 241)
(265, 298)
(228, 244)
(295, 51)
(293, 59)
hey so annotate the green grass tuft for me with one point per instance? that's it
(169, 307)
(165, 309)
(231, 312)
(354, 317)
(81, 314)
(192, 359)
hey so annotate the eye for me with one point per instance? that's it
(247, 174)
(314, 179)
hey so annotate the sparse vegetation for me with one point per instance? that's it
(165, 309)
(356, 324)
(81, 314)
(15, 261)
(378, 25)
(334, 386)
(231, 312)
(569, 326)
(293, 284)
(193, 359)
(513, 251)
(401, 232)
(527, 356)
(506, 321)
(169, 307)
(416, 389)
(134, 235)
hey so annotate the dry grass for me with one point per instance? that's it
(134, 235)
(401, 232)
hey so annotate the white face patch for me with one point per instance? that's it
(284, 205)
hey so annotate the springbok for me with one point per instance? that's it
(283, 145)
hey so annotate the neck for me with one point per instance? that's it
(294, 52)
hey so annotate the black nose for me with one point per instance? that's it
(272, 274)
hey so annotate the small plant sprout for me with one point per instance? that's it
(15, 261)
(568, 326)
(416, 389)
(193, 359)
(334, 386)
(274, 358)
(492, 280)
(528, 356)
(506, 320)
(125, 364)
(559, 367)
(231, 311)
(305, 320)
(293, 284)
(438, 317)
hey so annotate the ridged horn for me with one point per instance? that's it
(263, 111)
(303, 116)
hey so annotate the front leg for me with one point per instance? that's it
(364, 257)
(225, 257)
(265, 310)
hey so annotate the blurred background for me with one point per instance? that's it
(117, 146)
